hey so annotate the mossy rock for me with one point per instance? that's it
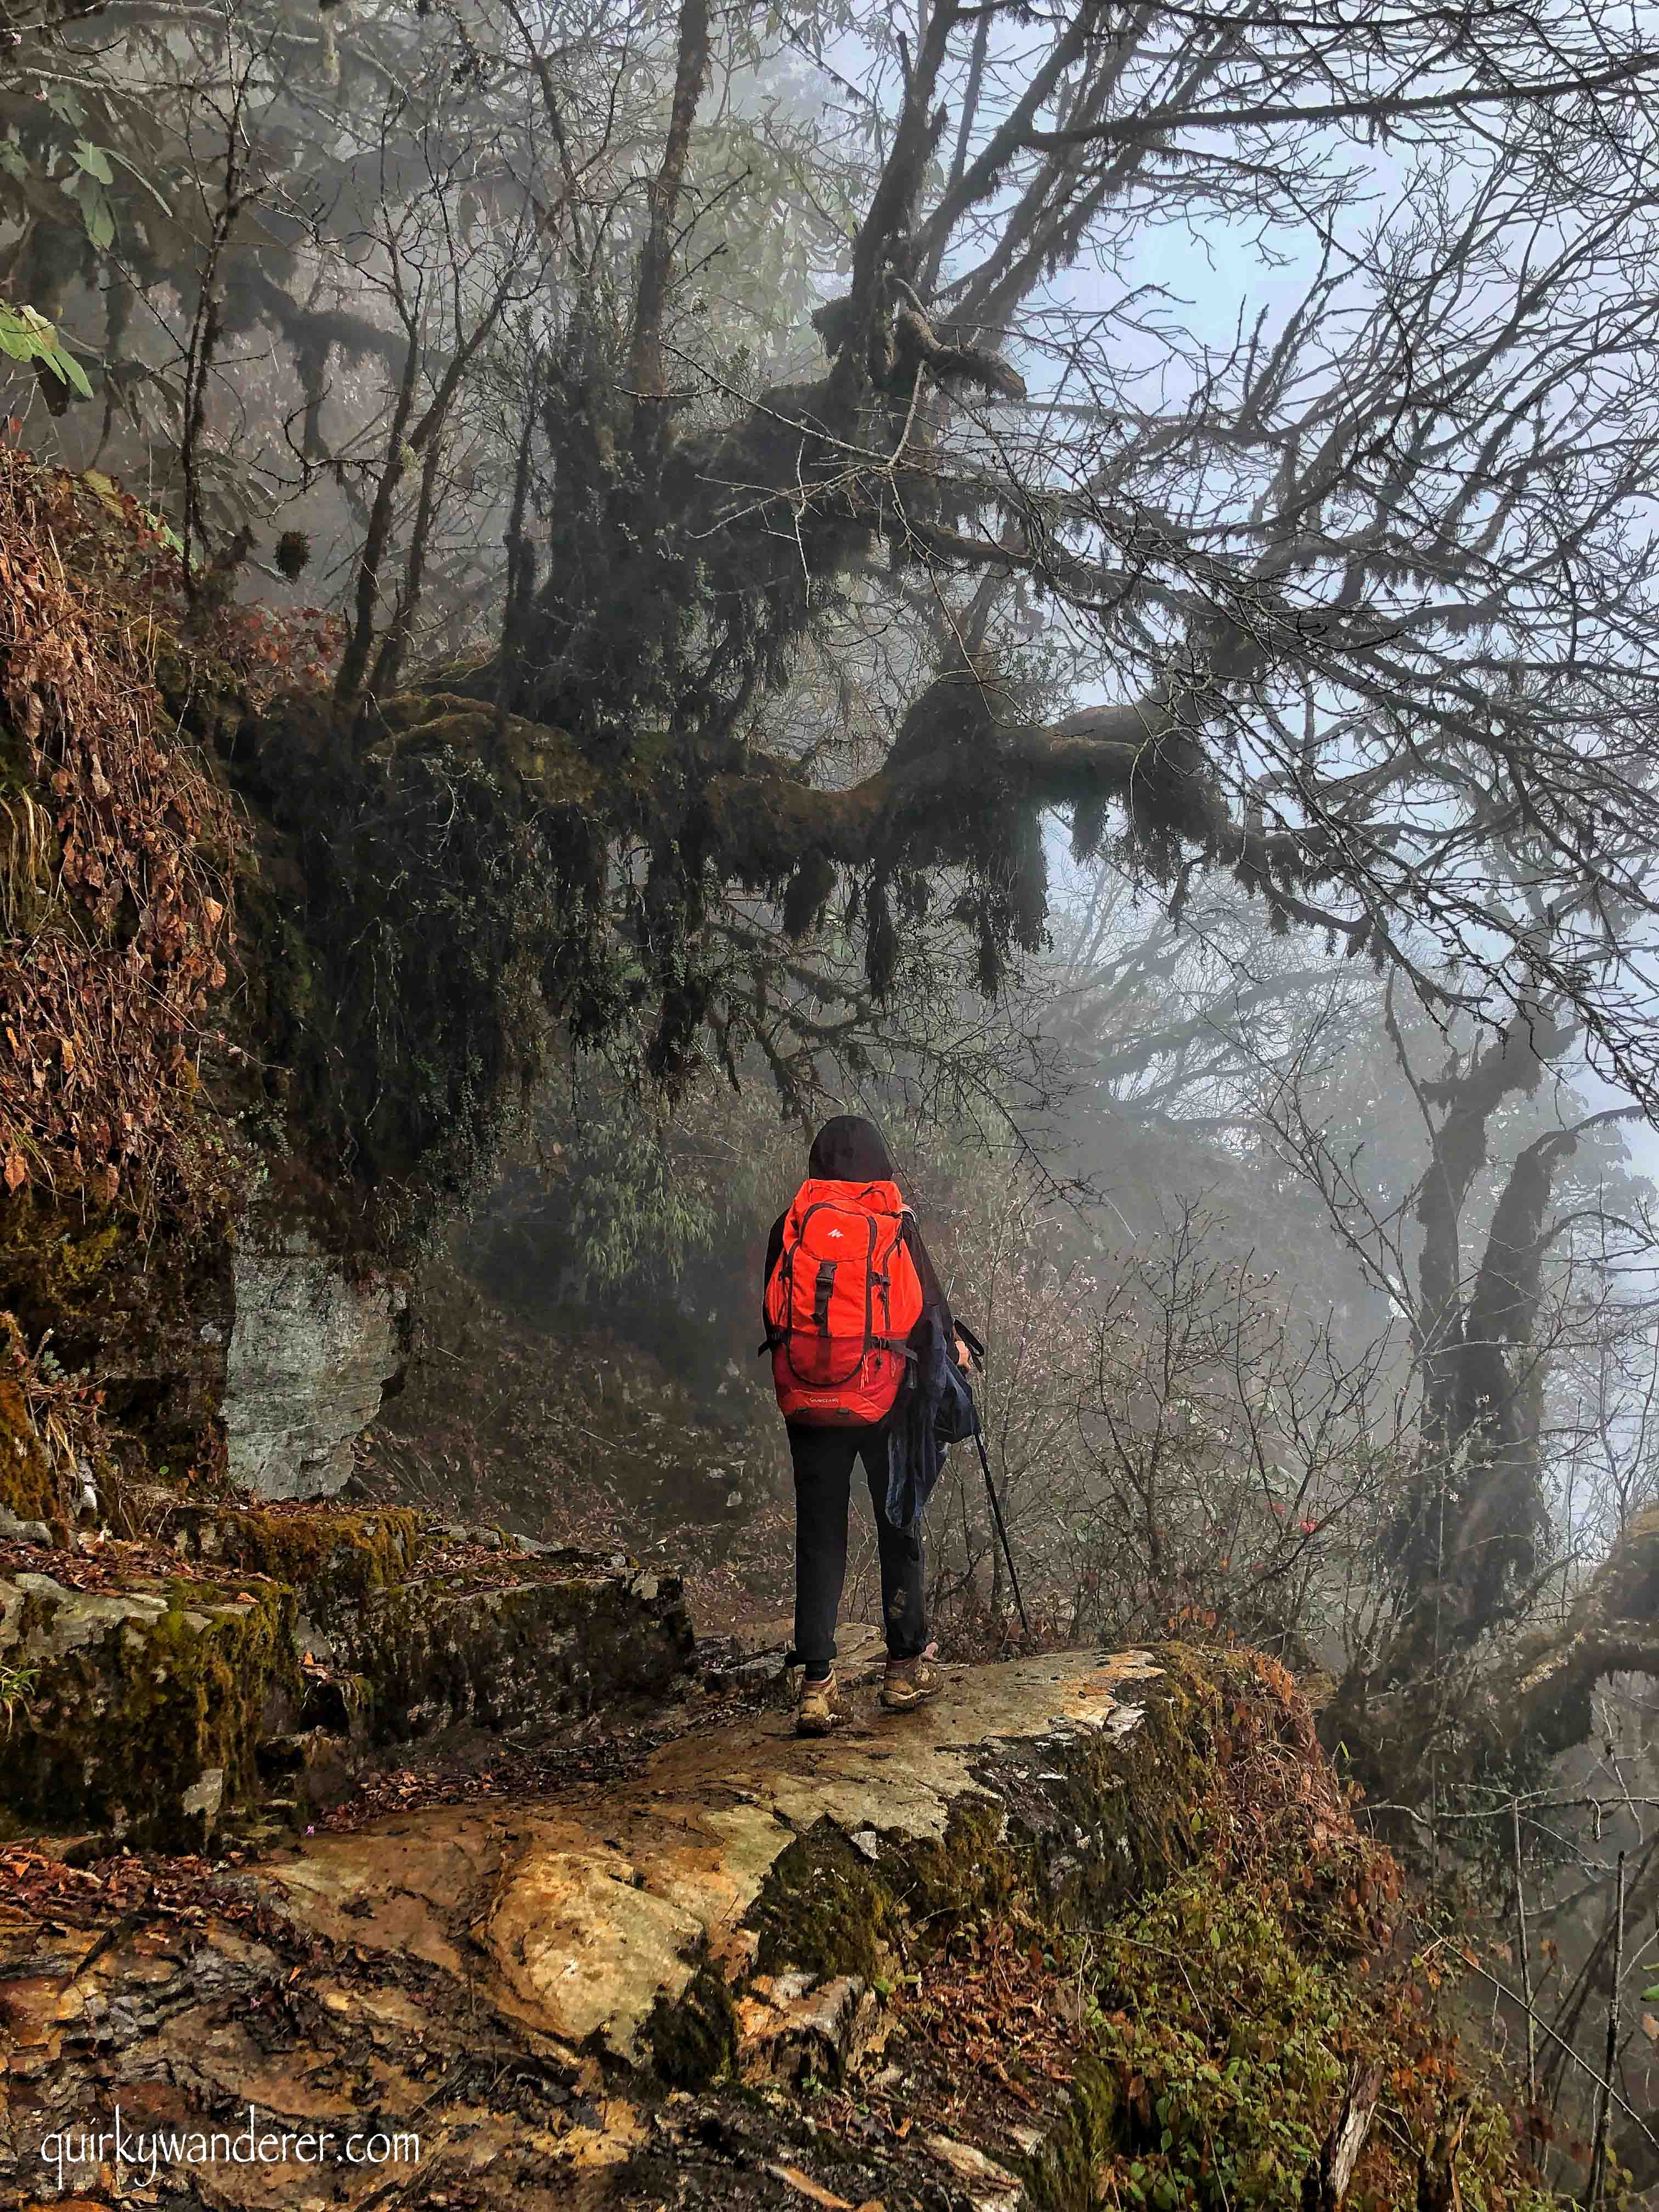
(141, 1711)
(440, 1651)
(1061, 2176)
(27, 1487)
(826, 1909)
(694, 2042)
(335, 1558)
(51, 1256)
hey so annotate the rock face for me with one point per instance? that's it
(311, 1353)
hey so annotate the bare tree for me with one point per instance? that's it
(1510, 1269)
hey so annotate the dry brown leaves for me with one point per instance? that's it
(114, 923)
(1275, 1772)
(108, 1564)
(997, 2030)
(35, 1883)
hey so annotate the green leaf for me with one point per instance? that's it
(99, 217)
(94, 159)
(138, 176)
(12, 160)
(25, 334)
(65, 106)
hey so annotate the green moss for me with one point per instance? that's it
(126, 1722)
(26, 1486)
(1218, 1946)
(826, 1909)
(333, 1559)
(1221, 2037)
(53, 1258)
(1061, 2177)
(1152, 1793)
(693, 2042)
(976, 1864)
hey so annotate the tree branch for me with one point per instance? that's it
(645, 377)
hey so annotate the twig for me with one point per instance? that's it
(1526, 1960)
(1602, 2154)
(1624, 2106)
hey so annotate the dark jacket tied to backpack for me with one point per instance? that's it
(935, 1409)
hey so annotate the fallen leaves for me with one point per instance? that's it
(815, 2194)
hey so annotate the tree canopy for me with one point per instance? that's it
(871, 494)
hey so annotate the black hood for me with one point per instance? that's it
(849, 1149)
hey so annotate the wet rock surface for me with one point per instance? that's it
(612, 1996)
(1091, 1929)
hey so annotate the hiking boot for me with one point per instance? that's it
(819, 1708)
(908, 1682)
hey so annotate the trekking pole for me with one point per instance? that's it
(996, 1515)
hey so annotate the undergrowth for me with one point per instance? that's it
(63, 1408)
(17, 1686)
(1226, 2043)
(1226, 2012)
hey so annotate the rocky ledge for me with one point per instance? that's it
(242, 1657)
(958, 1959)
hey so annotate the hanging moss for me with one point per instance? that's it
(427, 869)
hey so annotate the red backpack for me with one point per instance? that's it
(840, 1302)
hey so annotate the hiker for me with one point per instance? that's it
(848, 1281)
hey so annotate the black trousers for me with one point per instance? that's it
(823, 1475)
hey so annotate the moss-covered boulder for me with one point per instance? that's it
(408, 1627)
(525, 1650)
(139, 1711)
(293, 1648)
(334, 1556)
